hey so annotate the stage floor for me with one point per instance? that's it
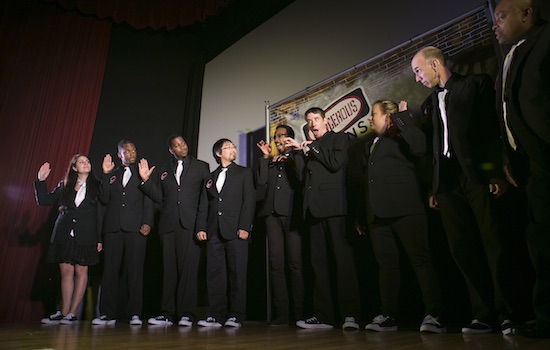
(253, 335)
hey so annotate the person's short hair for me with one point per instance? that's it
(123, 142)
(217, 148)
(315, 110)
(171, 138)
(289, 130)
(433, 53)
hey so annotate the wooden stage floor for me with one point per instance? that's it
(253, 335)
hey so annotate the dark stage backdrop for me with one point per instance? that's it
(51, 69)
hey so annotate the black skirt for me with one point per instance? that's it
(72, 253)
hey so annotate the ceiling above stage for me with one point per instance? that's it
(214, 24)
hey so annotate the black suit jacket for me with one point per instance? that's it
(473, 128)
(283, 189)
(84, 219)
(233, 208)
(392, 186)
(528, 97)
(185, 204)
(324, 175)
(127, 208)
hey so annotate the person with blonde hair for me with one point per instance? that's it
(395, 211)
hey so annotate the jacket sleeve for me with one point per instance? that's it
(261, 172)
(202, 210)
(248, 202)
(152, 189)
(412, 134)
(43, 197)
(104, 194)
(332, 156)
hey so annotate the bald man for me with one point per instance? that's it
(523, 100)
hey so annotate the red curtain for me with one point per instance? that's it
(51, 70)
(156, 14)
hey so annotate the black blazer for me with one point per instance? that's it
(473, 128)
(84, 219)
(283, 188)
(392, 185)
(127, 208)
(324, 175)
(528, 96)
(233, 208)
(185, 204)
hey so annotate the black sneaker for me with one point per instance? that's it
(69, 318)
(53, 319)
(507, 327)
(313, 323)
(382, 323)
(160, 321)
(432, 324)
(209, 322)
(103, 320)
(477, 327)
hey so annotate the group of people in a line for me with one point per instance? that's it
(482, 141)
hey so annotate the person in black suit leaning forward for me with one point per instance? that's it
(232, 200)
(128, 220)
(178, 187)
(467, 174)
(325, 210)
(395, 206)
(282, 209)
(523, 100)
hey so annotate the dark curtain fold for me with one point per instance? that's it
(139, 14)
(51, 71)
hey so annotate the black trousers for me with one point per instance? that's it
(412, 231)
(285, 250)
(119, 247)
(328, 236)
(538, 241)
(180, 257)
(472, 234)
(226, 269)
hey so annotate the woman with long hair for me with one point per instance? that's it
(76, 237)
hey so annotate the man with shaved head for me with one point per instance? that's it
(523, 100)
(467, 174)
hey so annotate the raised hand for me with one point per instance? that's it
(264, 147)
(108, 164)
(402, 106)
(144, 170)
(44, 171)
(290, 142)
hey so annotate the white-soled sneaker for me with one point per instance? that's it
(313, 323)
(53, 319)
(185, 322)
(477, 327)
(232, 322)
(69, 318)
(432, 324)
(382, 323)
(160, 320)
(103, 320)
(135, 321)
(209, 322)
(350, 324)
